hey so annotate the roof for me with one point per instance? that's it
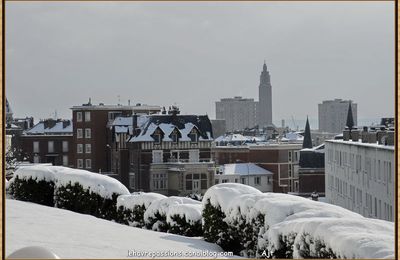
(59, 127)
(244, 169)
(147, 124)
(359, 143)
(118, 108)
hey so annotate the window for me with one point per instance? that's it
(268, 180)
(88, 163)
(87, 116)
(131, 180)
(236, 180)
(290, 156)
(157, 138)
(65, 146)
(80, 148)
(80, 163)
(36, 147)
(216, 181)
(193, 136)
(79, 133)
(88, 133)
(88, 148)
(79, 116)
(160, 181)
(50, 146)
(194, 155)
(65, 160)
(196, 181)
(174, 138)
(224, 180)
(157, 156)
(257, 180)
(113, 115)
(243, 180)
(36, 158)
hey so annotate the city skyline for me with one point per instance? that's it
(194, 54)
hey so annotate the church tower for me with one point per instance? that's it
(264, 108)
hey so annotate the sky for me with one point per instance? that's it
(193, 53)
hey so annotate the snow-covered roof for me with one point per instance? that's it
(183, 124)
(292, 136)
(317, 149)
(244, 169)
(359, 143)
(58, 127)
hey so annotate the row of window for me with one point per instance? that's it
(79, 116)
(193, 135)
(243, 180)
(36, 159)
(79, 133)
(88, 148)
(88, 164)
(50, 146)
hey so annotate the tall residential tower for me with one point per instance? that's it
(265, 99)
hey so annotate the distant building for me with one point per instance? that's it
(218, 126)
(360, 172)
(170, 154)
(332, 115)
(245, 173)
(239, 113)
(282, 159)
(91, 134)
(49, 141)
(264, 109)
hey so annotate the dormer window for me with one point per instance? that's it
(175, 136)
(193, 135)
(157, 138)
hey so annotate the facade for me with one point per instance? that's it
(360, 175)
(312, 171)
(245, 173)
(49, 141)
(170, 154)
(264, 109)
(332, 115)
(281, 159)
(239, 113)
(91, 135)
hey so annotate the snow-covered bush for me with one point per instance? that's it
(215, 205)
(87, 192)
(77, 190)
(185, 219)
(274, 225)
(131, 208)
(155, 217)
(34, 184)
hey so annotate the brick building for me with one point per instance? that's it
(280, 158)
(91, 135)
(168, 154)
(49, 141)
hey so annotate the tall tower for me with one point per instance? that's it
(264, 107)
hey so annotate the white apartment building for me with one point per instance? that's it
(239, 113)
(361, 177)
(332, 115)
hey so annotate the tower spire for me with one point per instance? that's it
(307, 142)
(350, 121)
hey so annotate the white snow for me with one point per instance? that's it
(244, 169)
(58, 128)
(348, 234)
(73, 235)
(191, 212)
(138, 199)
(100, 184)
(162, 206)
(223, 194)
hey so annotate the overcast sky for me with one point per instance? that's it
(192, 54)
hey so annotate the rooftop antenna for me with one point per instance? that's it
(129, 102)
(55, 114)
(119, 100)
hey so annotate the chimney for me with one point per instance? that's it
(381, 135)
(364, 135)
(346, 134)
(355, 135)
(390, 137)
(134, 124)
(49, 123)
(372, 136)
(66, 123)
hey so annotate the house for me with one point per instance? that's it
(245, 173)
(170, 154)
(49, 141)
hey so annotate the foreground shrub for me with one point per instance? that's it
(32, 190)
(185, 219)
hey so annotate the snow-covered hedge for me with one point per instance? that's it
(277, 225)
(77, 190)
(155, 217)
(185, 219)
(131, 207)
(215, 205)
(34, 184)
